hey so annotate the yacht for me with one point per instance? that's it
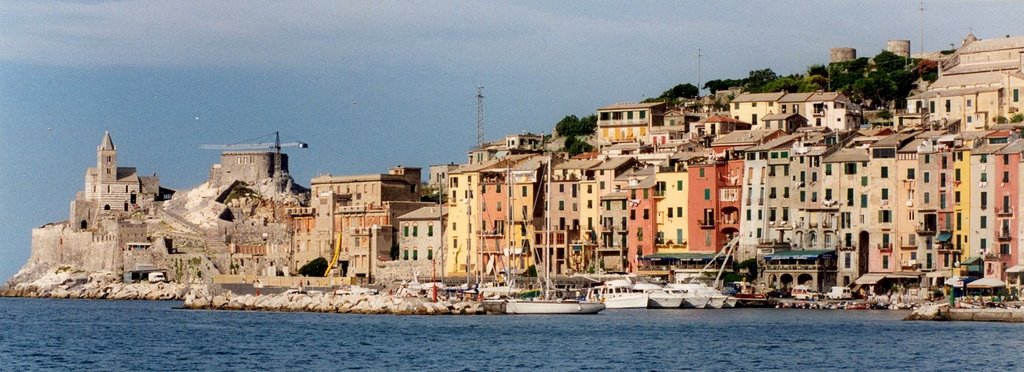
(537, 306)
(693, 297)
(658, 297)
(618, 294)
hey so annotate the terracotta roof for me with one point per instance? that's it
(619, 106)
(848, 155)
(794, 97)
(758, 97)
(772, 117)
(720, 119)
(432, 212)
(776, 143)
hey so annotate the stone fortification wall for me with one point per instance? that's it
(397, 271)
(249, 167)
(57, 245)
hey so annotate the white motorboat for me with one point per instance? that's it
(730, 302)
(658, 297)
(552, 307)
(618, 294)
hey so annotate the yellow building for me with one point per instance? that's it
(962, 203)
(629, 122)
(671, 194)
(753, 107)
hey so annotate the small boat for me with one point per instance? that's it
(517, 306)
(658, 297)
(692, 297)
(618, 294)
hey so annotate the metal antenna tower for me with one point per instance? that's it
(479, 115)
(922, 26)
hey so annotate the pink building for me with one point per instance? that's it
(714, 203)
(643, 227)
(1007, 192)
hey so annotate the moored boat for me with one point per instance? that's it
(658, 297)
(618, 294)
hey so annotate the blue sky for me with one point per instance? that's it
(375, 84)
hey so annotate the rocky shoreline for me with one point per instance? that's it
(331, 303)
(96, 286)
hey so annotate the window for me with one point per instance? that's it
(430, 230)
(640, 234)
(679, 185)
(701, 172)
(647, 214)
(885, 172)
(707, 193)
(984, 177)
(670, 213)
(415, 254)
(926, 174)
(405, 255)
(430, 254)
(927, 198)
(524, 191)
(910, 174)
(885, 193)
(405, 230)
(885, 259)
(828, 169)
(983, 222)
(1016, 95)
(415, 230)
(984, 200)
(561, 205)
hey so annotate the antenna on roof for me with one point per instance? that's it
(479, 115)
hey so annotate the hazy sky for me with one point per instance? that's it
(372, 84)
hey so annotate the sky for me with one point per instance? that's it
(374, 84)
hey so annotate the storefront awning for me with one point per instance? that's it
(986, 283)
(973, 260)
(799, 254)
(937, 274)
(1016, 269)
(869, 279)
(944, 237)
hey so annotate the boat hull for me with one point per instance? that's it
(664, 301)
(717, 302)
(695, 302)
(552, 307)
(627, 301)
(730, 302)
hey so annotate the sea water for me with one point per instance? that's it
(127, 335)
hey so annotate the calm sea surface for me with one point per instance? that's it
(124, 335)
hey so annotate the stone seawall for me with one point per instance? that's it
(330, 303)
(944, 313)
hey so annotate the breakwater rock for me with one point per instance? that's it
(330, 303)
(944, 313)
(95, 285)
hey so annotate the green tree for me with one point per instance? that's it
(722, 84)
(571, 125)
(317, 267)
(757, 79)
(686, 90)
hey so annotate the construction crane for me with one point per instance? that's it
(276, 146)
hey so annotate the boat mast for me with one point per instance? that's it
(547, 228)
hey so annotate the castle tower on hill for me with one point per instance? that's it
(112, 191)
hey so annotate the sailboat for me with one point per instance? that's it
(545, 304)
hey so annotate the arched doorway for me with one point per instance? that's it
(786, 282)
(805, 279)
(83, 225)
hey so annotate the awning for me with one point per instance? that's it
(1016, 269)
(937, 274)
(944, 237)
(971, 260)
(986, 283)
(799, 254)
(869, 279)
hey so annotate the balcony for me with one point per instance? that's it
(925, 229)
(1004, 235)
(706, 224)
(1004, 212)
(848, 246)
(884, 247)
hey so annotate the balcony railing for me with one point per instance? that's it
(1004, 212)
(706, 224)
(884, 246)
(1004, 234)
(925, 229)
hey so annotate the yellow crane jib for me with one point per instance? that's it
(337, 253)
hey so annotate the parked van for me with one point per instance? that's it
(803, 292)
(157, 277)
(839, 293)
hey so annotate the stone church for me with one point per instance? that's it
(113, 192)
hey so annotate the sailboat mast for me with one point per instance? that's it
(547, 228)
